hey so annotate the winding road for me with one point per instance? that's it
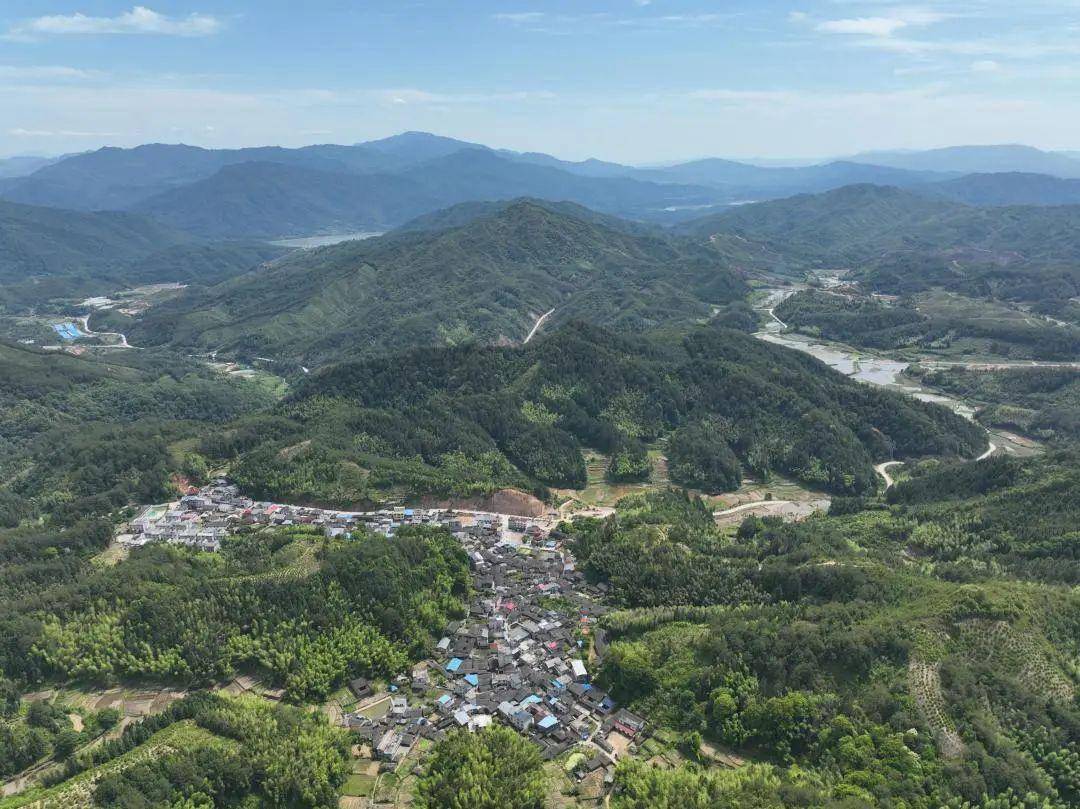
(84, 323)
(883, 470)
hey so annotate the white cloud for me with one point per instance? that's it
(867, 26)
(692, 19)
(519, 16)
(140, 20)
(539, 21)
(990, 47)
(985, 66)
(884, 25)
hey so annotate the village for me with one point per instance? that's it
(522, 656)
(202, 518)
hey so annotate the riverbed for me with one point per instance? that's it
(325, 240)
(872, 369)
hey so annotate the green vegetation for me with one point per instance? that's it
(30, 733)
(859, 321)
(307, 615)
(493, 769)
(900, 243)
(484, 281)
(48, 254)
(920, 654)
(1041, 402)
(473, 419)
(81, 437)
(941, 323)
(205, 751)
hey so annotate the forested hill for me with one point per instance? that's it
(465, 212)
(487, 281)
(900, 242)
(475, 418)
(859, 222)
(920, 655)
(47, 252)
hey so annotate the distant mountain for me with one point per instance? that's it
(45, 252)
(272, 191)
(901, 242)
(978, 160)
(1009, 188)
(410, 148)
(779, 180)
(271, 200)
(839, 225)
(116, 179)
(11, 167)
(267, 199)
(583, 168)
(480, 174)
(487, 280)
(861, 221)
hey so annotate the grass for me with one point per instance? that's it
(359, 785)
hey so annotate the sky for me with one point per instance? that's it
(638, 81)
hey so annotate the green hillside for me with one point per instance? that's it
(79, 436)
(862, 222)
(478, 418)
(1007, 188)
(901, 243)
(921, 656)
(939, 323)
(48, 253)
(488, 281)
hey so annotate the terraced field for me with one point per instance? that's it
(77, 792)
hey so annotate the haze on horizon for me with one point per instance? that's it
(636, 81)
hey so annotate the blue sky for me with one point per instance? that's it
(630, 80)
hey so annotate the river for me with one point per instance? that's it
(872, 369)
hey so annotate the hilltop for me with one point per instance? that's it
(476, 418)
(487, 280)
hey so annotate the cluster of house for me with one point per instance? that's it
(203, 517)
(520, 657)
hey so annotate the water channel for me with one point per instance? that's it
(872, 369)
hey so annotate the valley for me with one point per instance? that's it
(770, 504)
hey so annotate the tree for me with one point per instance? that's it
(66, 742)
(699, 457)
(629, 463)
(494, 769)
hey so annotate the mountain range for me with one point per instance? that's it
(486, 271)
(270, 192)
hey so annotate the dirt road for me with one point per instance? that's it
(882, 470)
(539, 322)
